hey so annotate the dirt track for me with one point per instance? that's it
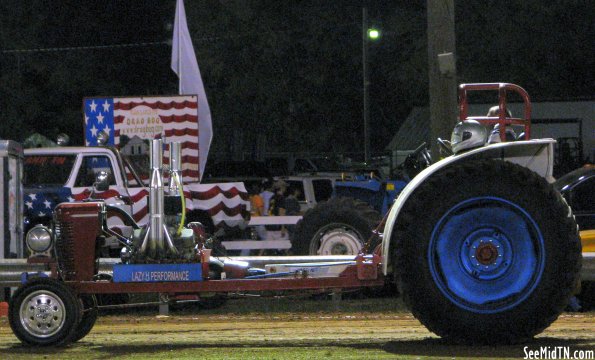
(277, 334)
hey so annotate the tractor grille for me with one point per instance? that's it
(65, 249)
(77, 226)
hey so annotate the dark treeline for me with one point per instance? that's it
(284, 73)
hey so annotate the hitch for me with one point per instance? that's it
(367, 266)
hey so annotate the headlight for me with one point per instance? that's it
(39, 239)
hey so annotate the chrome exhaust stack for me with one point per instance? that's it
(175, 185)
(175, 168)
(156, 207)
(153, 244)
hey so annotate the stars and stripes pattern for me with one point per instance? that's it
(99, 117)
(223, 202)
(41, 203)
(172, 118)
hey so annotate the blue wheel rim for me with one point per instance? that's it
(486, 254)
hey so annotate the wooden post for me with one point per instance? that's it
(442, 71)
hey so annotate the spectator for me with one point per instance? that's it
(292, 207)
(277, 202)
(292, 204)
(266, 195)
(256, 209)
(263, 207)
(256, 201)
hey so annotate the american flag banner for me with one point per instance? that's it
(131, 122)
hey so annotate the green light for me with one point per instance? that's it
(373, 34)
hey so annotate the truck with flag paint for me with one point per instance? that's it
(127, 124)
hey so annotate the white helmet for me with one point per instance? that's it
(468, 135)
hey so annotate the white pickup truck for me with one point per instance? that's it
(66, 174)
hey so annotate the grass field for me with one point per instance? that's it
(287, 329)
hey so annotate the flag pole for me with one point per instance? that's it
(179, 67)
(191, 83)
(178, 11)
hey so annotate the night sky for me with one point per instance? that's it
(283, 75)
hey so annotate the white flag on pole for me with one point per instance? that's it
(183, 63)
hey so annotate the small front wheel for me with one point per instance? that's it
(44, 312)
(89, 315)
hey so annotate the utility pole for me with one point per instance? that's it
(442, 70)
(366, 84)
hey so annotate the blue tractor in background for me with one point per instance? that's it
(346, 222)
(377, 193)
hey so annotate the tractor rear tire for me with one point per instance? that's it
(340, 226)
(487, 252)
(44, 312)
(587, 296)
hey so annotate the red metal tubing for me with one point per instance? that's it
(501, 119)
(348, 279)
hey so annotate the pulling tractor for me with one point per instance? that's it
(484, 249)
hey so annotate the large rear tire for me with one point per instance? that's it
(587, 296)
(487, 252)
(44, 312)
(340, 226)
